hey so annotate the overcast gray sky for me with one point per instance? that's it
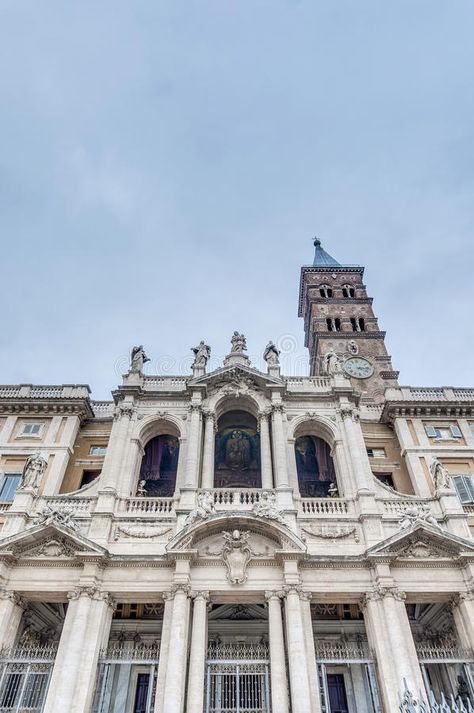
(164, 166)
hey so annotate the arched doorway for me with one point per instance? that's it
(159, 466)
(237, 452)
(315, 467)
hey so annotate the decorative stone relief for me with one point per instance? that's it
(328, 532)
(205, 508)
(50, 547)
(123, 410)
(414, 514)
(141, 531)
(236, 554)
(61, 516)
(267, 508)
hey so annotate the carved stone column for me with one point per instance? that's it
(110, 477)
(297, 658)
(192, 459)
(208, 455)
(277, 653)
(266, 451)
(197, 657)
(12, 607)
(358, 453)
(173, 701)
(164, 650)
(85, 631)
(279, 450)
(390, 636)
(463, 613)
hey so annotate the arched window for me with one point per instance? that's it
(348, 291)
(237, 454)
(325, 291)
(315, 467)
(159, 467)
(333, 324)
(358, 324)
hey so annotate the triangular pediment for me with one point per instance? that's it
(236, 375)
(50, 541)
(422, 542)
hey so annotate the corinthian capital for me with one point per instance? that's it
(13, 597)
(378, 593)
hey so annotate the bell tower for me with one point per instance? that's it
(338, 317)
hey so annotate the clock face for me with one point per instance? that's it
(358, 368)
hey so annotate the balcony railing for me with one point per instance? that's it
(81, 507)
(429, 651)
(324, 506)
(236, 498)
(146, 506)
(408, 393)
(347, 651)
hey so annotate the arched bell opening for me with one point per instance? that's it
(159, 466)
(315, 467)
(237, 451)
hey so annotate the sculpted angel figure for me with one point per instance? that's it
(440, 475)
(33, 471)
(331, 363)
(204, 507)
(267, 507)
(137, 359)
(202, 354)
(271, 354)
(416, 513)
(239, 343)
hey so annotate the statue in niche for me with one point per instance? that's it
(440, 475)
(236, 554)
(33, 471)
(239, 343)
(331, 363)
(352, 347)
(137, 359)
(202, 354)
(271, 354)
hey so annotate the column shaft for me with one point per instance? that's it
(297, 659)
(277, 655)
(192, 460)
(208, 457)
(279, 450)
(360, 464)
(85, 632)
(463, 613)
(197, 658)
(11, 610)
(311, 655)
(173, 701)
(163, 659)
(266, 452)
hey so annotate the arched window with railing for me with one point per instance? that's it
(159, 466)
(315, 467)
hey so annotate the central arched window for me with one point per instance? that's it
(237, 453)
(159, 466)
(315, 467)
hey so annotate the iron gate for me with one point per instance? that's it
(238, 679)
(24, 679)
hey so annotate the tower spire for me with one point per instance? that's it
(321, 257)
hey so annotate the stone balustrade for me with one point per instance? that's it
(236, 498)
(331, 507)
(446, 393)
(146, 506)
(81, 507)
(28, 391)
(395, 506)
(308, 383)
(165, 383)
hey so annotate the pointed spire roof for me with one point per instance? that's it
(322, 258)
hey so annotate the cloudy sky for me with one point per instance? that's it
(165, 164)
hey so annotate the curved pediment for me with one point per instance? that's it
(272, 536)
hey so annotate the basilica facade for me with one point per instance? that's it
(237, 540)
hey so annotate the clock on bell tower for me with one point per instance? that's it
(341, 330)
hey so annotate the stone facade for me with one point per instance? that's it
(331, 568)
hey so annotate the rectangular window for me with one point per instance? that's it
(9, 485)
(443, 433)
(465, 487)
(98, 450)
(31, 429)
(376, 452)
